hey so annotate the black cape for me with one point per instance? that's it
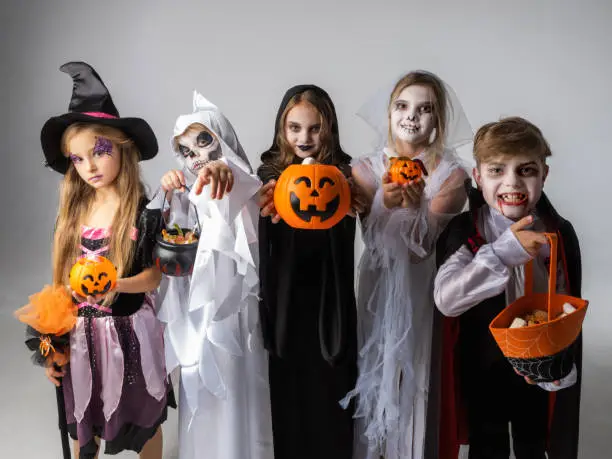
(564, 405)
(308, 317)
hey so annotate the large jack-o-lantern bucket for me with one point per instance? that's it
(541, 352)
(405, 170)
(312, 196)
(174, 255)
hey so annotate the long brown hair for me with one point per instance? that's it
(77, 197)
(439, 108)
(286, 154)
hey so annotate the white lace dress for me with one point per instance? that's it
(395, 308)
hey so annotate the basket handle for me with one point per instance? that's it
(552, 273)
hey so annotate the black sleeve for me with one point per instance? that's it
(573, 257)
(338, 320)
(267, 281)
(565, 425)
(148, 227)
(453, 237)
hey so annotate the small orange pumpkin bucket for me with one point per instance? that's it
(405, 170)
(541, 352)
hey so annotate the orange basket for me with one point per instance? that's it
(541, 352)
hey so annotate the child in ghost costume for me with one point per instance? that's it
(212, 329)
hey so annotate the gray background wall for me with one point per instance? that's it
(546, 60)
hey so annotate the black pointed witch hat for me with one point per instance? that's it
(91, 103)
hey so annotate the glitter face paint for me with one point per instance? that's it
(95, 158)
(103, 145)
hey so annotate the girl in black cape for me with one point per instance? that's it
(307, 301)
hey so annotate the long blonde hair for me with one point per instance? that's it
(77, 197)
(439, 108)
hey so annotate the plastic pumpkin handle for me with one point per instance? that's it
(552, 273)
(422, 166)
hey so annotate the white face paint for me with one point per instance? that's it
(198, 146)
(412, 115)
(512, 185)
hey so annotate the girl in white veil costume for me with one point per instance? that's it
(419, 117)
(212, 329)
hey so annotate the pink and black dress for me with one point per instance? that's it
(116, 386)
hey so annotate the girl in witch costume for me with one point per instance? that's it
(421, 119)
(307, 293)
(480, 257)
(115, 383)
(212, 332)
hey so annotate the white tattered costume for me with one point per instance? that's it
(394, 297)
(212, 329)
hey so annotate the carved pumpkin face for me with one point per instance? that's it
(93, 276)
(406, 170)
(312, 196)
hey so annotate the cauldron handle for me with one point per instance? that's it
(163, 220)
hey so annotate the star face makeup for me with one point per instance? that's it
(198, 146)
(512, 184)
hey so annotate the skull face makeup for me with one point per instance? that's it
(412, 116)
(197, 145)
(205, 135)
(512, 184)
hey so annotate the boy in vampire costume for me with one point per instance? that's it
(481, 257)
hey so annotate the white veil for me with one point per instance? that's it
(374, 112)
